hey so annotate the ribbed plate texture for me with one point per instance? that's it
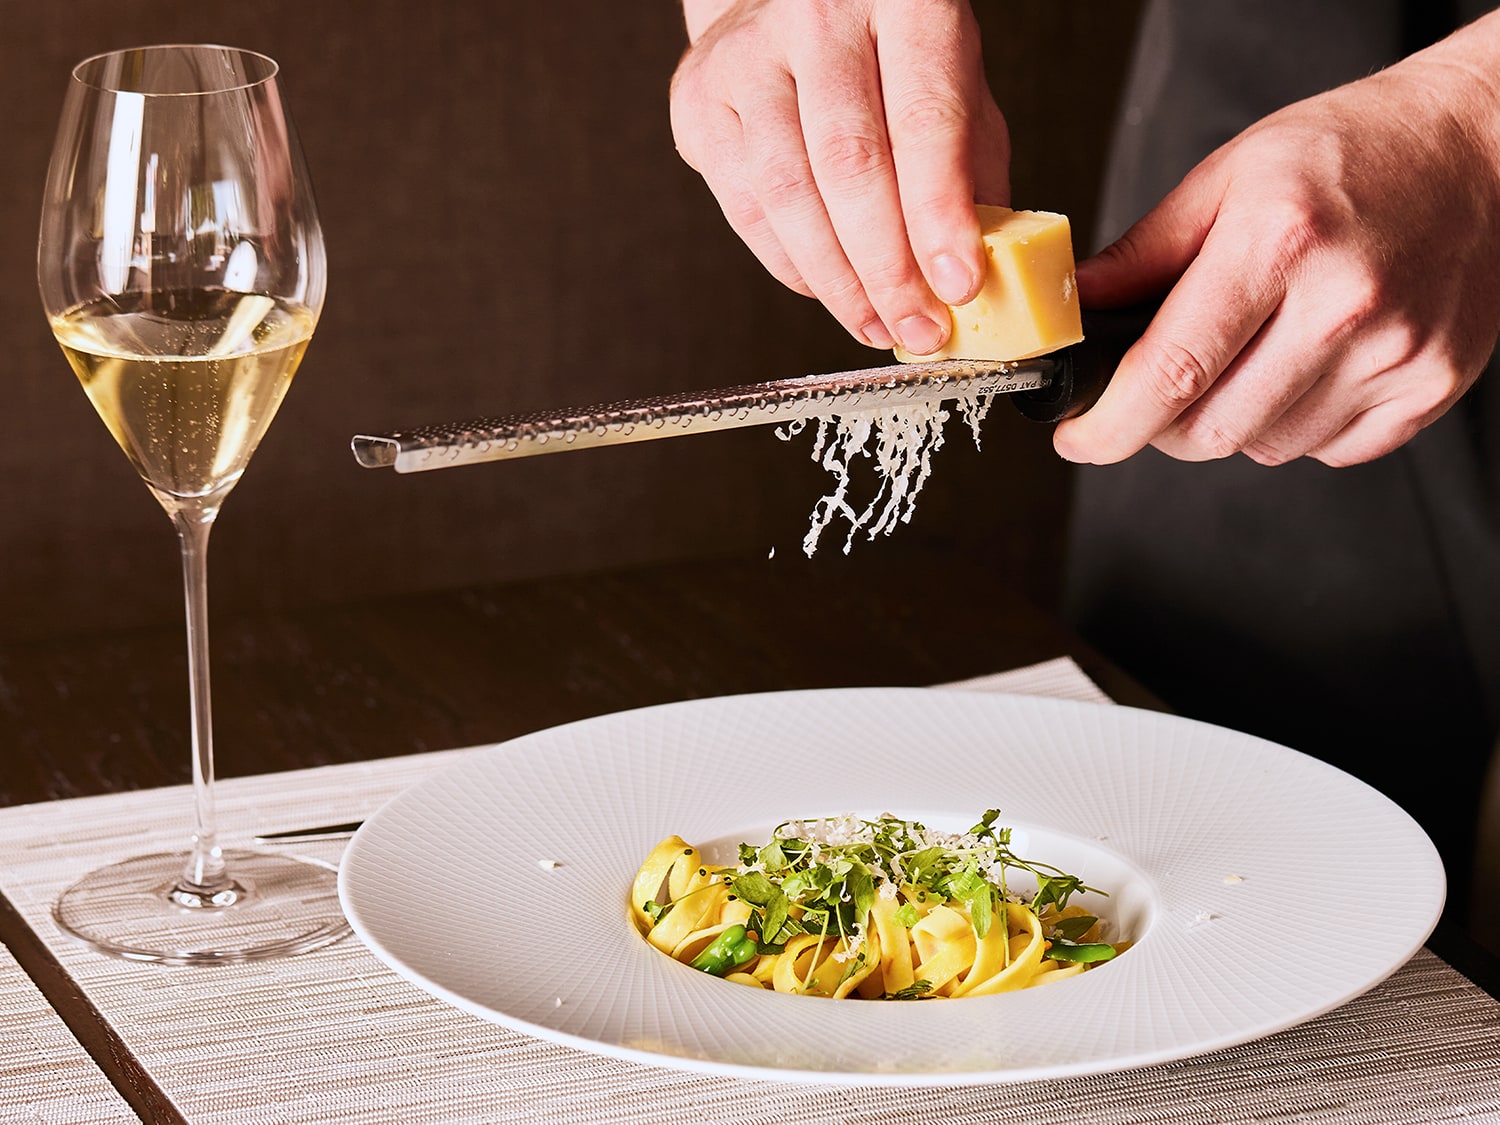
(1266, 886)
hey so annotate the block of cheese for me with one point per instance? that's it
(1029, 303)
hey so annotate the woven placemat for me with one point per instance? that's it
(46, 1078)
(333, 1036)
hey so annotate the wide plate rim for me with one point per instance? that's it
(374, 928)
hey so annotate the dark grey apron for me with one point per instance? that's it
(1350, 613)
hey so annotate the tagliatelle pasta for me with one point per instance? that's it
(871, 909)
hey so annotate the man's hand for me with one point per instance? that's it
(1334, 273)
(847, 141)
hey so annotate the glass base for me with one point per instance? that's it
(276, 905)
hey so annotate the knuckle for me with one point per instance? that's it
(687, 88)
(1178, 377)
(840, 290)
(1344, 455)
(1450, 386)
(1438, 387)
(1135, 251)
(1369, 436)
(783, 182)
(1124, 252)
(884, 278)
(1209, 436)
(1361, 302)
(1295, 233)
(928, 115)
(844, 293)
(1298, 224)
(1404, 341)
(742, 211)
(850, 156)
(1263, 452)
(1336, 458)
(687, 135)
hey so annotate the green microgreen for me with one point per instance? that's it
(1071, 929)
(830, 871)
(918, 990)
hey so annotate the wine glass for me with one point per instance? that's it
(181, 265)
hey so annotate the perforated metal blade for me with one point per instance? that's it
(645, 419)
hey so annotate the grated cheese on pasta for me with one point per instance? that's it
(888, 909)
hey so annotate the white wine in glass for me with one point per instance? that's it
(181, 264)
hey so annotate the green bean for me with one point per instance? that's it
(1086, 952)
(728, 951)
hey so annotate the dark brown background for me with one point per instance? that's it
(509, 227)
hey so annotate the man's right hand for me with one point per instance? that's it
(1332, 275)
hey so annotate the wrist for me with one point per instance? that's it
(1462, 74)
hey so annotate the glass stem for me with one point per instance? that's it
(204, 873)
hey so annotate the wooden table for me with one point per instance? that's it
(96, 714)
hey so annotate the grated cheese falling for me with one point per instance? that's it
(905, 438)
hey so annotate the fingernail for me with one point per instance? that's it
(876, 336)
(952, 281)
(1066, 443)
(919, 335)
(1066, 450)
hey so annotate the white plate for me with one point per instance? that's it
(1262, 887)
